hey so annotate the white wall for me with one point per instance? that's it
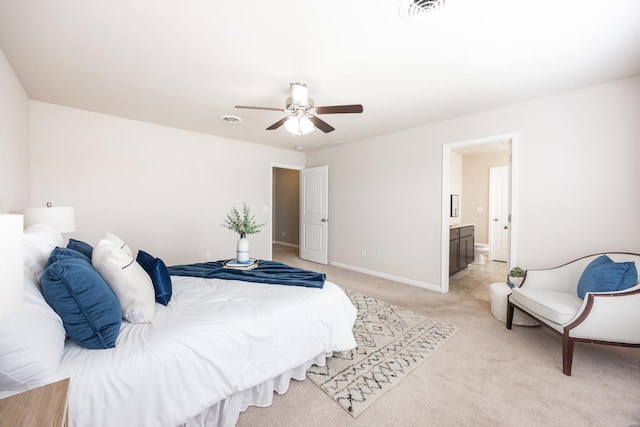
(578, 183)
(14, 141)
(161, 189)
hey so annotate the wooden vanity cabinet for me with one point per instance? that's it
(461, 241)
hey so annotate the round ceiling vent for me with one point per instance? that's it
(417, 10)
(228, 118)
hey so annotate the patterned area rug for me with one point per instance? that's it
(392, 342)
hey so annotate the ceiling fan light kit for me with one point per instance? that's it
(299, 126)
(303, 115)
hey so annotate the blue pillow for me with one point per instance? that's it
(83, 247)
(604, 275)
(89, 309)
(59, 254)
(157, 270)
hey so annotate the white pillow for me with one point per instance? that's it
(127, 279)
(119, 242)
(39, 241)
(32, 342)
(33, 259)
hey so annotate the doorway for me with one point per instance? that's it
(285, 202)
(474, 204)
(299, 210)
(499, 227)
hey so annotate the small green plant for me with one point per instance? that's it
(516, 272)
(242, 224)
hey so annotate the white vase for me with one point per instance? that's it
(243, 249)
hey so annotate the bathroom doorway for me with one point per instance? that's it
(466, 172)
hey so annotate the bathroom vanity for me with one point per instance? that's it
(461, 240)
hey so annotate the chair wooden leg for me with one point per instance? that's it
(510, 309)
(567, 353)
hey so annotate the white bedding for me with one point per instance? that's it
(215, 339)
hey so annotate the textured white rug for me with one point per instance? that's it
(392, 342)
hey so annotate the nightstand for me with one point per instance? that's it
(40, 407)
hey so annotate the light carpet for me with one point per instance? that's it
(391, 342)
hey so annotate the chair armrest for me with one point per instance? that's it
(609, 316)
(562, 279)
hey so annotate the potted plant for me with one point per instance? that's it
(516, 277)
(242, 224)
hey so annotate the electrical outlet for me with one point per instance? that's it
(207, 256)
(379, 257)
(364, 254)
(283, 234)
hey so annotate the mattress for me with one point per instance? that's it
(215, 339)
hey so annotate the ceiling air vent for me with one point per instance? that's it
(417, 10)
(228, 118)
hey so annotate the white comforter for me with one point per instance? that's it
(214, 339)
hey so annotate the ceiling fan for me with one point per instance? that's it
(303, 115)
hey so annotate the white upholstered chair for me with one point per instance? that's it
(550, 296)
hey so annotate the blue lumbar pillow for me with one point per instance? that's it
(80, 246)
(89, 309)
(157, 270)
(604, 275)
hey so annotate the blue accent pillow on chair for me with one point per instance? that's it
(157, 270)
(604, 275)
(89, 309)
(83, 247)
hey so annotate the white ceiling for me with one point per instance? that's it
(184, 63)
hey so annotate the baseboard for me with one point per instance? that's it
(291, 245)
(404, 280)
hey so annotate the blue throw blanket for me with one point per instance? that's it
(271, 272)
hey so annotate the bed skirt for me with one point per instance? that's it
(226, 412)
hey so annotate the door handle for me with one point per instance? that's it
(505, 227)
(495, 219)
(323, 220)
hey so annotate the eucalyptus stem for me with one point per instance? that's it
(242, 224)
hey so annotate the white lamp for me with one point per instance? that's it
(61, 219)
(11, 264)
(299, 125)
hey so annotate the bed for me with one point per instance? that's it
(217, 347)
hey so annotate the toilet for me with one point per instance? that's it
(480, 251)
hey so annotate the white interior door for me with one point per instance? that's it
(314, 196)
(499, 225)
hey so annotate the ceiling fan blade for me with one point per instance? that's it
(277, 124)
(337, 109)
(321, 124)
(247, 107)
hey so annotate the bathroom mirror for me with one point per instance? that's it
(455, 205)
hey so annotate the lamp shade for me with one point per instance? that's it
(61, 219)
(11, 264)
